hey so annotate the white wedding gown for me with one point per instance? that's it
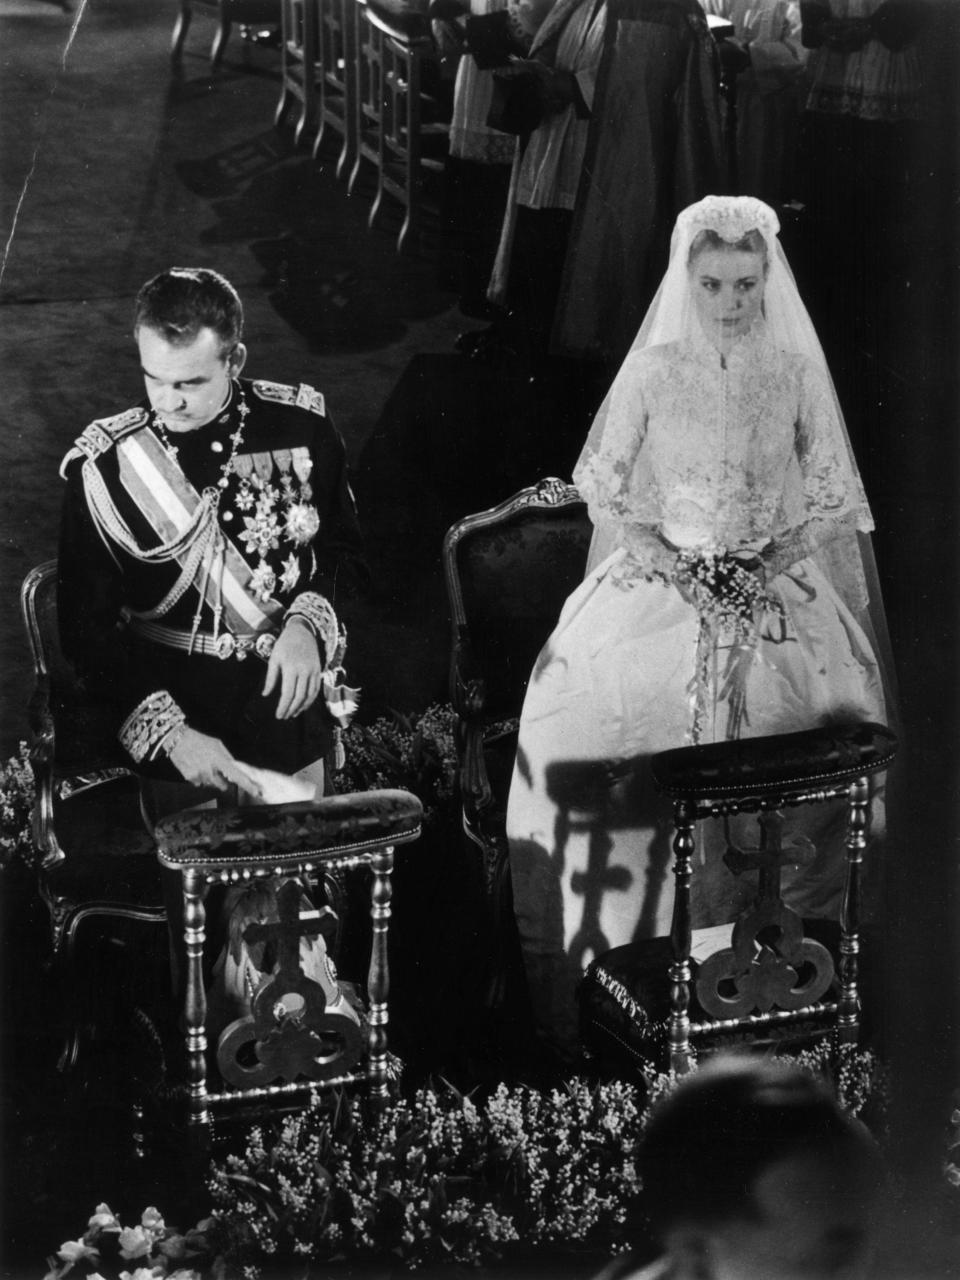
(730, 454)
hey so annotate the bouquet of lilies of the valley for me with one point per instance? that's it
(149, 1251)
(16, 804)
(433, 1177)
(725, 589)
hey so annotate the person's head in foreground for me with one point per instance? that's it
(752, 1171)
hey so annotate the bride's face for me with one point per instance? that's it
(727, 291)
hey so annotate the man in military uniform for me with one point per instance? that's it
(209, 537)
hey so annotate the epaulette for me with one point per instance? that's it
(102, 434)
(301, 397)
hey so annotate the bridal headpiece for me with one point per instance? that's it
(731, 217)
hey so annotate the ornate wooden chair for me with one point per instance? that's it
(399, 128)
(651, 1000)
(298, 62)
(293, 1040)
(95, 860)
(508, 572)
(227, 12)
(336, 78)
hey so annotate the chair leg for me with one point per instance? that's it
(194, 933)
(378, 977)
(848, 1010)
(283, 106)
(684, 846)
(220, 38)
(180, 29)
(412, 157)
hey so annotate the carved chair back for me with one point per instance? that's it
(95, 857)
(508, 572)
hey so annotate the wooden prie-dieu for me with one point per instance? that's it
(747, 984)
(778, 977)
(292, 1041)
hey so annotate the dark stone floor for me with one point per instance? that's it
(113, 168)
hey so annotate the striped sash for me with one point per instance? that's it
(171, 505)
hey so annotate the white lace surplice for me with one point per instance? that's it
(727, 457)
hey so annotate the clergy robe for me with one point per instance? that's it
(654, 146)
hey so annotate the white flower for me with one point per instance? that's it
(135, 1242)
(301, 523)
(142, 1273)
(76, 1250)
(104, 1219)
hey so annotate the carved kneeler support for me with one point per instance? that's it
(296, 1037)
(771, 974)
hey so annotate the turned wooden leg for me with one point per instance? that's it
(411, 221)
(195, 1007)
(681, 937)
(180, 28)
(378, 978)
(848, 1008)
(220, 37)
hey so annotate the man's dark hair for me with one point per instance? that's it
(181, 301)
(709, 1140)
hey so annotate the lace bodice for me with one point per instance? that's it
(723, 453)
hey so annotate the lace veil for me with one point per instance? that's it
(847, 560)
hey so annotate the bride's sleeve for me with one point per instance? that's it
(833, 497)
(605, 468)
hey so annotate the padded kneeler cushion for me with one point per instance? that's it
(783, 761)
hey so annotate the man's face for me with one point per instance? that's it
(186, 385)
(816, 1220)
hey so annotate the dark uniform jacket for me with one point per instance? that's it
(290, 537)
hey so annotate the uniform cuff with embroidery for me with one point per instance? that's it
(146, 728)
(317, 612)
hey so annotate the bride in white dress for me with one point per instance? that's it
(730, 592)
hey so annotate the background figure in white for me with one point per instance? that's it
(478, 170)
(719, 449)
(766, 60)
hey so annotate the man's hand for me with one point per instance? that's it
(295, 661)
(206, 762)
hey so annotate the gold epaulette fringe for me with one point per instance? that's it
(102, 434)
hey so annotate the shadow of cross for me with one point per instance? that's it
(584, 792)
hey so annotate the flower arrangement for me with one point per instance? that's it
(17, 796)
(152, 1249)
(415, 753)
(951, 1164)
(725, 589)
(435, 1175)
